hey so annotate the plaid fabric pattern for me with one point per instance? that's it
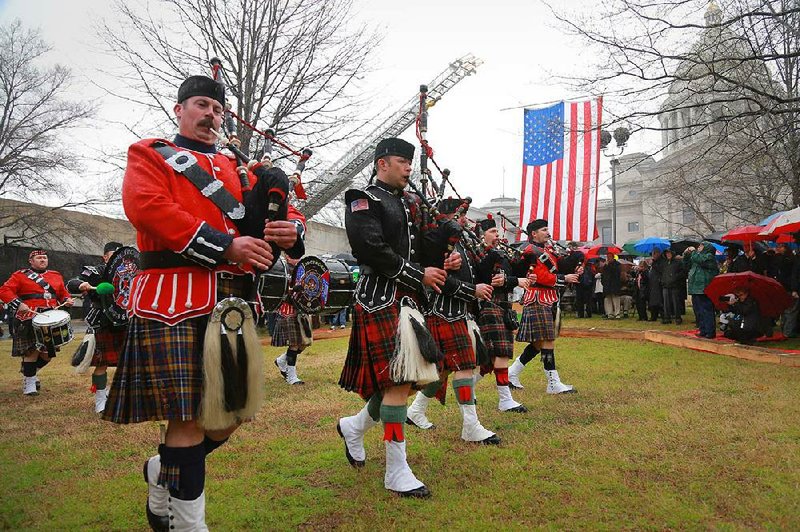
(24, 339)
(160, 372)
(372, 342)
(536, 323)
(108, 346)
(287, 332)
(454, 341)
(160, 369)
(498, 338)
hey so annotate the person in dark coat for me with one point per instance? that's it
(672, 277)
(584, 291)
(612, 287)
(748, 323)
(785, 265)
(641, 289)
(655, 299)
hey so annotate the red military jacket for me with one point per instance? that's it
(20, 288)
(543, 291)
(171, 214)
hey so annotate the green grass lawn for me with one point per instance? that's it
(656, 438)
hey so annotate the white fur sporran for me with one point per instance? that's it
(408, 365)
(231, 327)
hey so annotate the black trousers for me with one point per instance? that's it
(641, 307)
(583, 301)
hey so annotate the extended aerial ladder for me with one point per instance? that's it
(330, 184)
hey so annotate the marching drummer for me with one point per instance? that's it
(27, 292)
(108, 336)
(293, 331)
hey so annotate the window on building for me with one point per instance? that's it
(633, 227)
(689, 217)
(717, 219)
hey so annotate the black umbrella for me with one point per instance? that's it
(680, 246)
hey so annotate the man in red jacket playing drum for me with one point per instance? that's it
(199, 247)
(27, 291)
(537, 325)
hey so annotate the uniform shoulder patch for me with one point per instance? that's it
(360, 204)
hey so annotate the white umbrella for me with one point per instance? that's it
(788, 222)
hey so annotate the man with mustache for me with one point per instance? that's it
(198, 246)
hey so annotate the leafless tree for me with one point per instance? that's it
(289, 65)
(719, 83)
(36, 160)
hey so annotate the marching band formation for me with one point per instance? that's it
(177, 317)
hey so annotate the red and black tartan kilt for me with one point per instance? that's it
(536, 323)
(372, 342)
(454, 341)
(498, 338)
(160, 372)
(287, 332)
(24, 339)
(108, 346)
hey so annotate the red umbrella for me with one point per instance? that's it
(771, 295)
(746, 233)
(601, 251)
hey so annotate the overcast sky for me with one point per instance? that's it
(481, 144)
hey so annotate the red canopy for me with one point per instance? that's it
(746, 233)
(771, 295)
(601, 251)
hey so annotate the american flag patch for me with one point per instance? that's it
(359, 205)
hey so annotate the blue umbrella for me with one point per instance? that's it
(647, 245)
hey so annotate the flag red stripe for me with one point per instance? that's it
(587, 169)
(573, 139)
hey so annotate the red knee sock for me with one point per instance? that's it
(501, 376)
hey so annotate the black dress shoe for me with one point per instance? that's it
(421, 492)
(409, 422)
(494, 439)
(353, 461)
(518, 409)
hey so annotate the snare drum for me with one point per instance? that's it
(52, 328)
(273, 285)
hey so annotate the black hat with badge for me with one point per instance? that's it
(449, 205)
(394, 146)
(488, 223)
(537, 224)
(201, 86)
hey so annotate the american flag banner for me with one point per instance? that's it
(560, 168)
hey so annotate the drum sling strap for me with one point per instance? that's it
(49, 291)
(184, 162)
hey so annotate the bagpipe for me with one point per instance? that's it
(566, 262)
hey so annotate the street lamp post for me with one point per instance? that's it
(621, 136)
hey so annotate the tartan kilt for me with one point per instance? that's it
(108, 346)
(536, 323)
(287, 332)
(160, 372)
(498, 338)
(454, 341)
(372, 342)
(24, 339)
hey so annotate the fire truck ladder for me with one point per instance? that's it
(330, 184)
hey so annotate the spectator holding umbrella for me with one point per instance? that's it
(747, 324)
(671, 279)
(611, 278)
(702, 268)
(656, 299)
